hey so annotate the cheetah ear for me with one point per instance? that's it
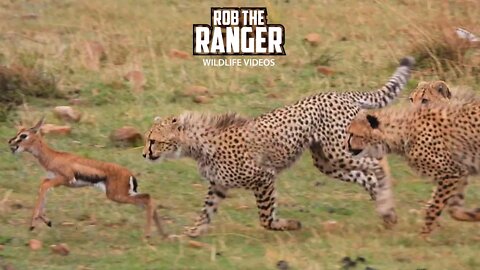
(422, 83)
(442, 88)
(157, 119)
(38, 125)
(373, 121)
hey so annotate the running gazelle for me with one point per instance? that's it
(65, 169)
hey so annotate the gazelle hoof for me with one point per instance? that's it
(31, 228)
(49, 224)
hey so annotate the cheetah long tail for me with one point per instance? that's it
(386, 94)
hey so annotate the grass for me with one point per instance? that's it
(361, 42)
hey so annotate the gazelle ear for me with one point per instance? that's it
(38, 125)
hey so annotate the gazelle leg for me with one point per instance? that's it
(38, 211)
(137, 199)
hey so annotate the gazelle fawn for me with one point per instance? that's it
(65, 169)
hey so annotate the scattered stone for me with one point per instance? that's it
(201, 99)
(136, 79)
(196, 244)
(319, 183)
(8, 267)
(67, 113)
(60, 249)
(327, 71)
(54, 129)
(282, 265)
(195, 90)
(360, 259)
(347, 263)
(331, 225)
(29, 16)
(241, 207)
(313, 39)
(35, 244)
(126, 135)
(174, 53)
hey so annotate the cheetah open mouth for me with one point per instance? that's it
(352, 150)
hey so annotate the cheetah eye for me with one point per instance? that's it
(174, 120)
(23, 136)
(424, 101)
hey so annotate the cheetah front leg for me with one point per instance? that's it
(456, 203)
(266, 202)
(216, 193)
(372, 174)
(444, 191)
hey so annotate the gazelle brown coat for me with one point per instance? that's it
(65, 169)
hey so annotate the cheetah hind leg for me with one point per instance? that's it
(456, 207)
(266, 203)
(215, 195)
(443, 193)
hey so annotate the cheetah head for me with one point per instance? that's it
(428, 92)
(365, 137)
(162, 140)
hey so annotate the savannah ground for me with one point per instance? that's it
(360, 41)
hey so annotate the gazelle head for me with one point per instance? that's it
(26, 138)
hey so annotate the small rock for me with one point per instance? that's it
(331, 225)
(241, 207)
(2, 247)
(360, 259)
(283, 265)
(54, 129)
(60, 249)
(137, 80)
(319, 184)
(174, 53)
(195, 90)
(35, 244)
(313, 39)
(327, 71)
(126, 135)
(30, 16)
(273, 95)
(196, 244)
(201, 99)
(269, 82)
(8, 267)
(67, 113)
(347, 263)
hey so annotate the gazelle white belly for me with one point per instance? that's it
(81, 183)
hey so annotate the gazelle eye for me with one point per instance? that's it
(411, 100)
(23, 136)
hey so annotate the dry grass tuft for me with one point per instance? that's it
(18, 82)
